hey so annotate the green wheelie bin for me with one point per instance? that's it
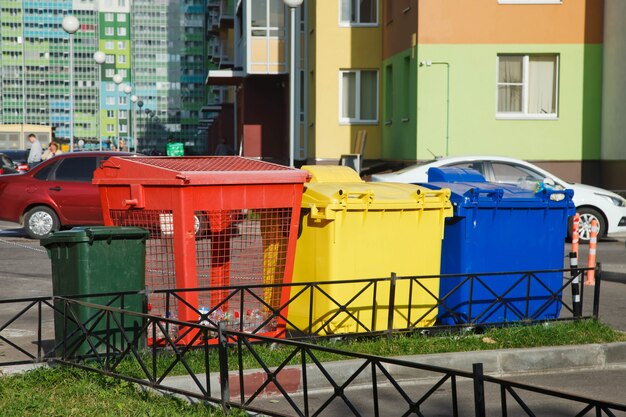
(87, 261)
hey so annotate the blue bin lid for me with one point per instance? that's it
(454, 175)
(469, 190)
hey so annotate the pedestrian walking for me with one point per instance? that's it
(36, 151)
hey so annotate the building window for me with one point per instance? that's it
(108, 17)
(358, 12)
(108, 31)
(110, 114)
(121, 31)
(110, 59)
(109, 72)
(108, 45)
(121, 59)
(359, 96)
(267, 17)
(527, 86)
(110, 101)
(121, 45)
(110, 128)
(121, 17)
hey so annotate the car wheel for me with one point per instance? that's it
(40, 221)
(584, 226)
(201, 227)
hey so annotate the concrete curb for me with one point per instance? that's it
(497, 363)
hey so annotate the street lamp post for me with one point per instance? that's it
(292, 4)
(100, 57)
(138, 119)
(71, 25)
(133, 116)
(117, 79)
(127, 90)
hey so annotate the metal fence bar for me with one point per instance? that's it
(223, 356)
(479, 390)
(596, 291)
(392, 304)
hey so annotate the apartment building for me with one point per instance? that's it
(520, 78)
(158, 47)
(426, 78)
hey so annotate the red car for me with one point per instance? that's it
(54, 194)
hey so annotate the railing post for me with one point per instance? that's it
(223, 358)
(575, 274)
(64, 350)
(39, 336)
(392, 303)
(479, 390)
(596, 291)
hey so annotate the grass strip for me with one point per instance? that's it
(514, 336)
(62, 391)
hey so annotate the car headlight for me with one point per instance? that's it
(618, 201)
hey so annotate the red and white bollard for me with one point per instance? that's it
(591, 260)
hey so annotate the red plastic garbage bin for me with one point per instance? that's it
(213, 221)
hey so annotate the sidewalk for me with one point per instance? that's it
(564, 368)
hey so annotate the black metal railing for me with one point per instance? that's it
(215, 363)
(304, 382)
(317, 310)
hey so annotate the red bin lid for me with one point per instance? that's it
(194, 170)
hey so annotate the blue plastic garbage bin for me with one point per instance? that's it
(500, 228)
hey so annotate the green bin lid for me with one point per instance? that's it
(91, 233)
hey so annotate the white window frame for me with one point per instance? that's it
(524, 114)
(348, 23)
(108, 17)
(110, 59)
(121, 59)
(121, 31)
(109, 31)
(121, 17)
(110, 128)
(121, 45)
(109, 45)
(357, 100)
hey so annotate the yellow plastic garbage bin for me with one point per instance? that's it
(352, 229)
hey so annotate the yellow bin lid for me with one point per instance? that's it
(326, 199)
(331, 173)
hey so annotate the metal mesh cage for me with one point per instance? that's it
(233, 247)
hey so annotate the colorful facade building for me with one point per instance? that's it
(613, 144)
(426, 78)
(510, 77)
(158, 47)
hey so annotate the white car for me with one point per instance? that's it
(608, 208)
